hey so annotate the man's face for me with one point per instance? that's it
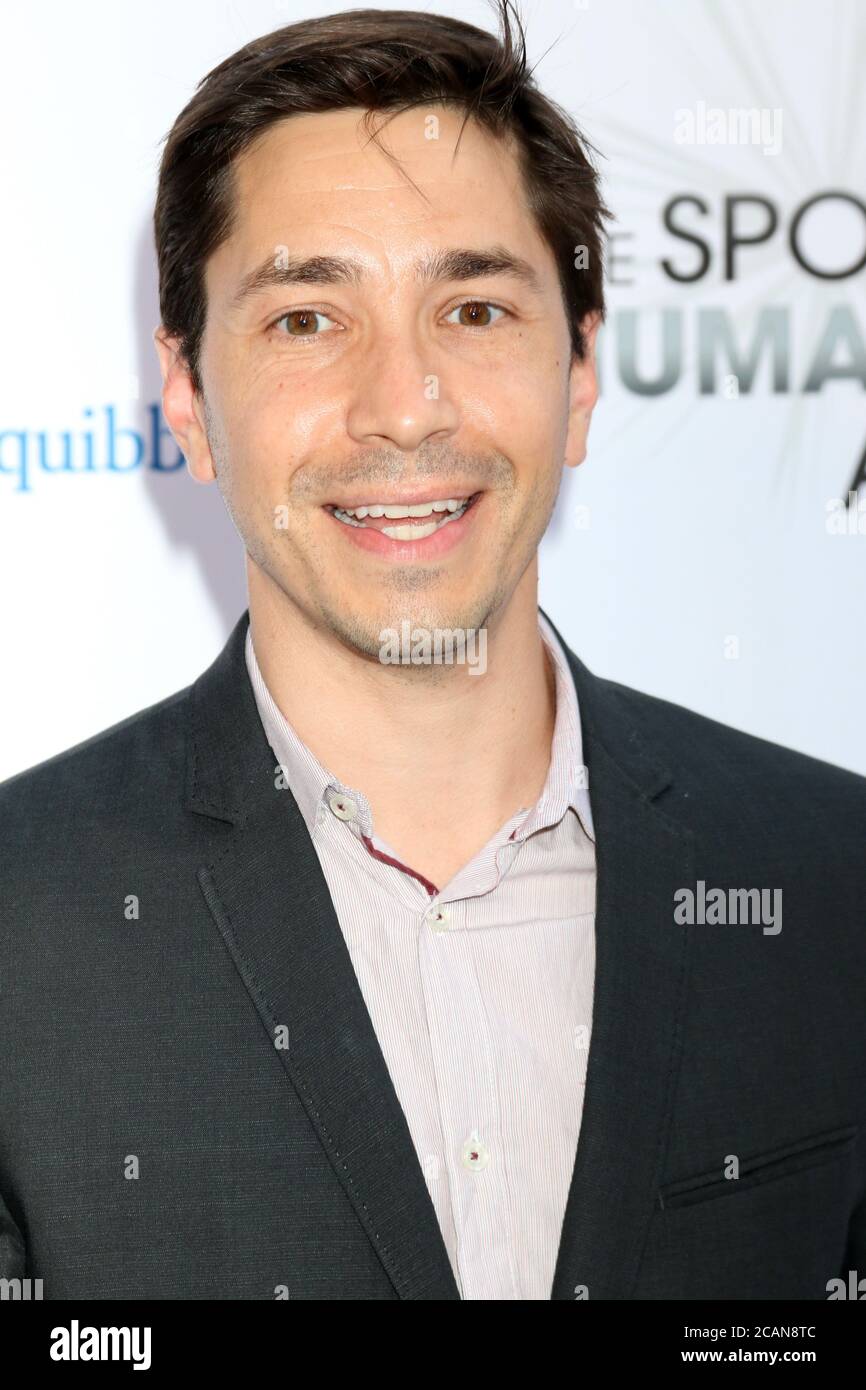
(409, 375)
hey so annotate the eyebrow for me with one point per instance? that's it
(458, 264)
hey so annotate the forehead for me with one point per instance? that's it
(320, 183)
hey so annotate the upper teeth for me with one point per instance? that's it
(447, 504)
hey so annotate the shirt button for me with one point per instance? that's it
(475, 1154)
(342, 806)
(439, 918)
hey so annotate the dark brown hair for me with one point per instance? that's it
(382, 61)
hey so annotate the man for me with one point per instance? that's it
(365, 971)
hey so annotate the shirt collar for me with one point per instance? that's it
(313, 786)
(567, 783)
(307, 778)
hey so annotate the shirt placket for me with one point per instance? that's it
(467, 1094)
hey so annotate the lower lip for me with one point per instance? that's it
(430, 548)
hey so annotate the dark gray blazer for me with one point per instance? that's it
(156, 1141)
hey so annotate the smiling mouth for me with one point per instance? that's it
(405, 522)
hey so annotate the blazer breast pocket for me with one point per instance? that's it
(810, 1152)
(777, 1231)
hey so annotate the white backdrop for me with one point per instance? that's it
(696, 554)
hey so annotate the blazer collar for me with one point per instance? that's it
(264, 886)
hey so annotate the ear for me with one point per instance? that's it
(182, 407)
(582, 392)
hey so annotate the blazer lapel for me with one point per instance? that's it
(642, 857)
(265, 888)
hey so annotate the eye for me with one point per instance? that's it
(303, 323)
(479, 313)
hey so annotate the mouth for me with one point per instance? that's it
(404, 521)
(405, 528)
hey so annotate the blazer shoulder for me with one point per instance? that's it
(697, 746)
(91, 778)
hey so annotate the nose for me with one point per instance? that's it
(399, 396)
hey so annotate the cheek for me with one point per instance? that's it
(536, 389)
(293, 412)
(526, 419)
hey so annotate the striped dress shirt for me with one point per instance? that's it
(480, 993)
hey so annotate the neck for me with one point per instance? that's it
(419, 742)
